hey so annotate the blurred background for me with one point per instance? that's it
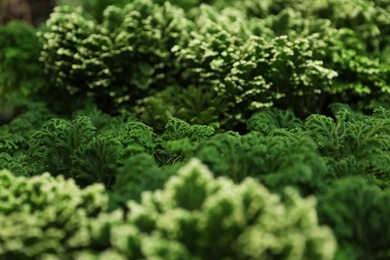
(37, 12)
(34, 12)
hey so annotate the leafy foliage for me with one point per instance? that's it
(13, 163)
(277, 160)
(290, 96)
(195, 105)
(198, 217)
(139, 173)
(366, 140)
(55, 218)
(223, 62)
(130, 50)
(74, 150)
(21, 73)
(271, 119)
(179, 141)
(355, 210)
(370, 19)
(15, 135)
(359, 76)
(43, 214)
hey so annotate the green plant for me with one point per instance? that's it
(21, 74)
(363, 140)
(277, 160)
(127, 56)
(73, 149)
(355, 210)
(198, 217)
(45, 215)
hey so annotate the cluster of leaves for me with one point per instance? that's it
(222, 63)
(125, 57)
(241, 63)
(45, 215)
(209, 82)
(93, 146)
(193, 217)
(370, 19)
(73, 149)
(277, 160)
(243, 71)
(350, 143)
(356, 145)
(15, 136)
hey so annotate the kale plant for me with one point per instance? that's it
(362, 143)
(277, 160)
(125, 57)
(198, 217)
(74, 150)
(45, 215)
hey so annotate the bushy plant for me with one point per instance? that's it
(73, 149)
(198, 217)
(126, 57)
(15, 135)
(277, 160)
(276, 99)
(45, 215)
(194, 217)
(362, 143)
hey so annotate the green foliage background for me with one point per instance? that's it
(190, 129)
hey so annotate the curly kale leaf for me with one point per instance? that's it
(270, 119)
(195, 105)
(365, 138)
(134, 137)
(52, 146)
(15, 135)
(72, 149)
(96, 161)
(278, 160)
(15, 164)
(177, 129)
(179, 140)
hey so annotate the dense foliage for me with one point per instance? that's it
(177, 222)
(21, 73)
(191, 129)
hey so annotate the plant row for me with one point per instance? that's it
(343, 159)
(200, 130)
(221, 64)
